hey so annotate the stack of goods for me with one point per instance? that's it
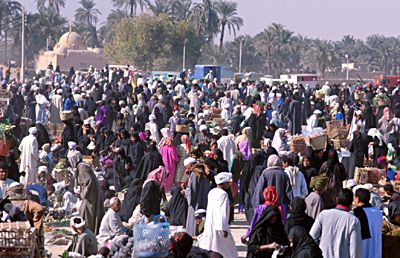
(368, 175)
(298, 144)
(338, 133)
(317, 140)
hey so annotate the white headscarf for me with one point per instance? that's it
(278, 142)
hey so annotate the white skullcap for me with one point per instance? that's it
(59, 91)
(176, 112)
(71, 145)
(358, 112)
(32, 130)
(189, 161)
(223, 177)
(152, 117)
(76, 89)
(272, 95)
(343, 84)
(227, 106)
(160, 97)
(317, 112)
(36, 88)
(42, 169)
(86, 122)
(274, 88)
(121, 102)
(326, 83)
(59, 186)
(203, 128)
(77, 222)
(278, 95)
(369, 187)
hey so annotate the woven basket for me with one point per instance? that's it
(317, 142)
(298, 144)
(17, 239)
(330, 125)
(367, 175)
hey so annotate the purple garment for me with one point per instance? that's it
(257, 214)
(101, 115)
(244, 147)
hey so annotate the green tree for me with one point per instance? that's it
(130, 5)
(54, 5)
(153, 42)
(227, 14)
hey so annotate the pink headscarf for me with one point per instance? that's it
(185, 140)
(142, 136)
(157, 175)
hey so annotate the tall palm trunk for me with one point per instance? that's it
(221, 40)
(5, 46)
(132, 4)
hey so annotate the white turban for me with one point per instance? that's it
(77, 222)
(152, 117)
(189, 161)
(72, 145)
(203, 128)
(32, 130)
(42, 169)
(223, 177)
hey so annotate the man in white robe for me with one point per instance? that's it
(337, 231)
(56, 107)
(152, 127)
(29, 156)
(313, 120)
(227, 145)
(217, 236)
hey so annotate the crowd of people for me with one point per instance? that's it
(132, 148)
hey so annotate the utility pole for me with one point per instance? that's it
(23, 47)
(240, 55)
(347, 66)
(184, 55)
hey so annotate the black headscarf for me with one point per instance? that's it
(333, 160)
(362, 216)
(177, 207)
(298, 216)
(265, 233)
(150, 199)
(131, 199)
(304, 245)
(150, 161)
(394, 209)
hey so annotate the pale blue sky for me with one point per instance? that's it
(327, 19)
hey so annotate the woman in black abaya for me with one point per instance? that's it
(267, 234)
(302, 244)
(177, 207)
(151, 160)
(131, 200)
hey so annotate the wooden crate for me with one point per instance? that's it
(17, 239)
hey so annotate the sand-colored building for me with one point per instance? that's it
(71, 51)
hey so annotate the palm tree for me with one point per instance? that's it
(55, 5)
(227, 14)
(107, 30)
(160, 6)
(181, 9)
(204, 18)
(87, 14)
(130, 5)
(9, 13)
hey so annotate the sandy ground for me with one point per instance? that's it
(238, 228)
